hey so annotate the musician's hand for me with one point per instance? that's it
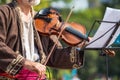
(109, 52)
(34, 66)
(84, 43)
(90, 38)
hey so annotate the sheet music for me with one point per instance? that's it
(114, 37)
(112, 15)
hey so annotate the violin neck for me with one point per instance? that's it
(76, 33)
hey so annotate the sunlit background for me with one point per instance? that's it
(85, 12)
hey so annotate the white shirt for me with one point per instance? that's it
(31, 53)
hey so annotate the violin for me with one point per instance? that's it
(49, 22)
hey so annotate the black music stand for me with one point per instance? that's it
(106, 34)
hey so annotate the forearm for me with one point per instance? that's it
(11, 62)
(66, 58)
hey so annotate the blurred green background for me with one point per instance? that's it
(85, 12)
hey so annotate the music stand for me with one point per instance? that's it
(108, 31)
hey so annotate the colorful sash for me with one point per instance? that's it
(25, 74)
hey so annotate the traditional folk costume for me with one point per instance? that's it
(19, 40)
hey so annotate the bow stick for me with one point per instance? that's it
(63, 25)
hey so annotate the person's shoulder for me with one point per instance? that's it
(6, 8)
(3, 6)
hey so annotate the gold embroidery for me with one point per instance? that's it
(75, 66)
(73, 56)
(15, 65)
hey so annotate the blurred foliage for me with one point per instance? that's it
(94, 64)
(43, 4)
(86, 18)
(2, 1)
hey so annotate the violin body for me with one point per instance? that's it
(51, 24)
(73, 39)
